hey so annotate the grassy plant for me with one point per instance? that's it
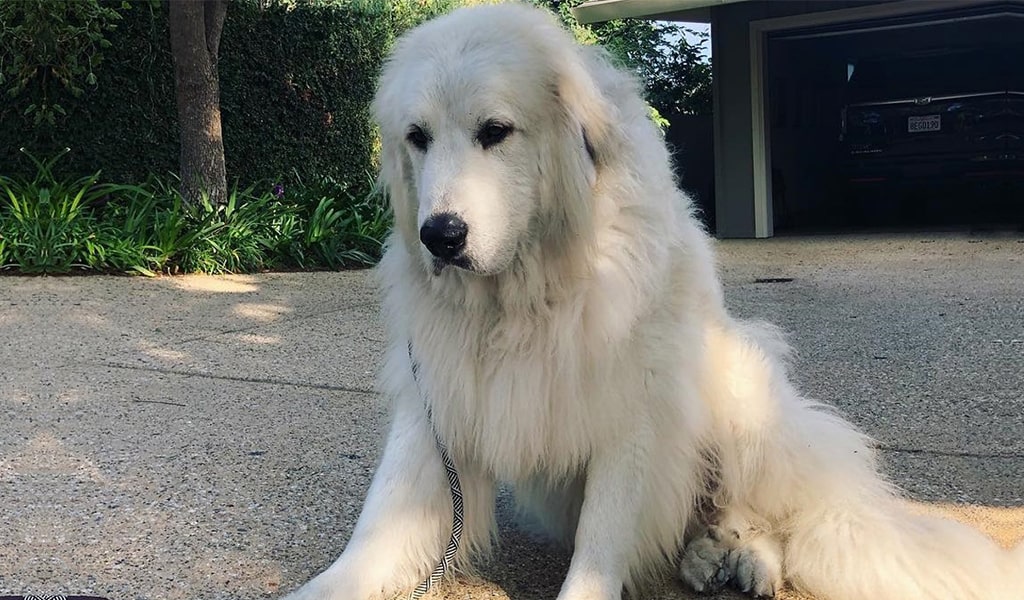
(362, 231)
(49, 225)
(237, 236)
(343, 228)
(128, 233)
(45, 223)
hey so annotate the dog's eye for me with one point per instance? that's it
(417, 137)
(493, 133)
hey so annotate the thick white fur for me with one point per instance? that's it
(589, 360)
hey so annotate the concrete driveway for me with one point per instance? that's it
(213, 437)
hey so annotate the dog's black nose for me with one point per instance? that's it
(444, 235)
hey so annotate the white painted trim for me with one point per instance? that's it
(759, 29)
(596, 11)
(718, 142)
(764, 225)
(872, 11)
(1004, 14)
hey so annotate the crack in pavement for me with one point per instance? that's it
(357, 390)
(261, 380)
(950, 453)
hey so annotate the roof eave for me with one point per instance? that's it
(597, 11)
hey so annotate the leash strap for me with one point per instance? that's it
(456, 491)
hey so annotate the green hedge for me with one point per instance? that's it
(296, 81)
(300, 85)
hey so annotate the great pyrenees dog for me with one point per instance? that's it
(555, 321)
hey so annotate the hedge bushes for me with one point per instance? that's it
(300, 85)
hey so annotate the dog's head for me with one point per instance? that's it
(493, 132)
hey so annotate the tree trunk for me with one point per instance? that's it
(195, 27)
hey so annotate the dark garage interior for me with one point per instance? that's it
(904, 123)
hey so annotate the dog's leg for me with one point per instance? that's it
(606, 534)
(406, 520)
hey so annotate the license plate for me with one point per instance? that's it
(924, 123)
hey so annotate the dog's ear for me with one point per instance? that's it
(584, 103)
(395, 170)
(583, 144)
(394, 179)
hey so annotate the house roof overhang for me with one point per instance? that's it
(695, 11)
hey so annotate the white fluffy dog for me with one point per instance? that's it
(561, 307)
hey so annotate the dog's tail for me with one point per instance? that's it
(846, 533)
(881, 551)
(849, 536)
(1017, 566)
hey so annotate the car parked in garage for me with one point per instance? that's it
(935, 116)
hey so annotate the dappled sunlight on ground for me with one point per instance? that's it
(1003, 524)
(264, 313)
(88, 319)
(254, 338)
(69, 396)
(16, 396)
(145, 456)
(232, 570)
(163, 353)
(222, 284)
(45, 454)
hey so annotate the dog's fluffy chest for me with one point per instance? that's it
(515, 395)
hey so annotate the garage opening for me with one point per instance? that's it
(905, 123)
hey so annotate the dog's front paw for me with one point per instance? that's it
(705, 566)
(319, 590)
(756, 569)
(304, 593)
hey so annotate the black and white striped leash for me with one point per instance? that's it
(456, 490)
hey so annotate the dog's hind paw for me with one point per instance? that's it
(720, 558)
(705, 565)
(755, 570)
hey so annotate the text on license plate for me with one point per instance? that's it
(924, 123)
